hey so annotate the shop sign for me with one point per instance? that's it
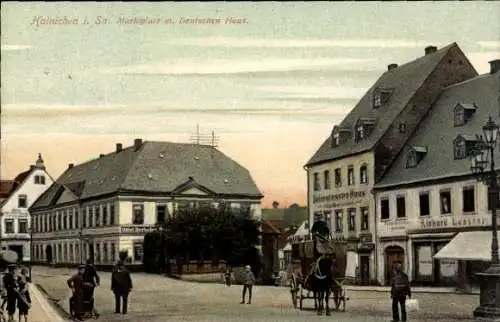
(336, 199)
(137, 229)
(456, 221)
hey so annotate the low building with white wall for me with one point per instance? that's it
(15, 217)
(106, 205)
(429, 194)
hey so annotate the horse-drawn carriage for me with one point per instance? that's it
(319, 268)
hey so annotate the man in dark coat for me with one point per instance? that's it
(9, 282)
(91, 281)
(77, 300)
(121, 285)
(400, 288)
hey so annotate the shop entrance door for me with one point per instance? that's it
(393, 255)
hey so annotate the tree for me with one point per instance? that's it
(212, 233)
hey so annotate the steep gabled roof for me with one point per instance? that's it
(155, 167)
(404, 81)
(437, 132)
(6, 187)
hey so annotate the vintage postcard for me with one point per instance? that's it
(250, 161)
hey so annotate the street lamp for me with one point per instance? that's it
(30, 231)
(482, 157)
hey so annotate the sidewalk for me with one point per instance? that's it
(41, 310)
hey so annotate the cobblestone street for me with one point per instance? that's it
(156, 298)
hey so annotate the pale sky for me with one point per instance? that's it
(271, 88)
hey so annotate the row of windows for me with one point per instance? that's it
(445, 197)
(104, 253)
(22, 226)
(363, 177)
(68, 219)
(338, 219)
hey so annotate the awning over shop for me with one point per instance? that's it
(469, 246)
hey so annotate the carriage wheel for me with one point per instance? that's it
(301, 296)
(293, 290)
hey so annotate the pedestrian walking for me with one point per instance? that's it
(91, 280)
(75, 283)
(248, 282)
(24, 298)
(227, 277)
(121, 285)
(400, 289)
(10, 284)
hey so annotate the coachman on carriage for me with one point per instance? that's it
(319, 268)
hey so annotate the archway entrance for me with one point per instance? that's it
(48, 253)
(393, 255)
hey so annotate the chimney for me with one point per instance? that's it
(430, 49)
(494, 66)
(32, 167)
(101, 155)
(392, 66)
(137, 144)
(119, 147)
(71, 165)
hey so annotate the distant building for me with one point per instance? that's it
(293, 215)
(100, 207)
(15, 217)
(343, 171)
(270, 249)
(428, 199)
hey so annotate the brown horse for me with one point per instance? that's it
(321, 281)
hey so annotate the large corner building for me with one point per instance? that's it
(342, 172)
(106, 205)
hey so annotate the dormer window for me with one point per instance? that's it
(463, 112)
(339, 135)
(364, 127)
(462, 145)
(415, 155)
(381, 96)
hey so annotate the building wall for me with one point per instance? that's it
(430, 232)
(357, 195)
(11, 212)
(123, 234)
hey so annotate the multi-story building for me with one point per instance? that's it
(100, 207)
(429, 194)
(15, 217)
(360, 149)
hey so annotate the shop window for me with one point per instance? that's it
(317, 185)
(350, 176)
(338, 177)
(424, 204)
(339, 227)
(326, 175)
(384, 209)
(138, 251)
(445, 200)
(138, 214)
(468, 199)
(401, 206)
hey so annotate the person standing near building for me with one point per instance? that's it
(121, 285)
(9, 282)
(400, 289)
(91, 280)
(248, 282)
(24, 299)
(75, 283)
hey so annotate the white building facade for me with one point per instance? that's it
(15, 216)
(71, 225)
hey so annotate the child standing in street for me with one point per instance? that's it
(227, 277)
(248, 282)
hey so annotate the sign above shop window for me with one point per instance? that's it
(456, 221)
(137, 229)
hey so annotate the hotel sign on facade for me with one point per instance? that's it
(339, 199)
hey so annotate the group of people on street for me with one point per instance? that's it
(83, 284)
(15, 293)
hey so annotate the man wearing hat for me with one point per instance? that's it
(9, 282)
(77, 300)
(121, 285)
(248, 282)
